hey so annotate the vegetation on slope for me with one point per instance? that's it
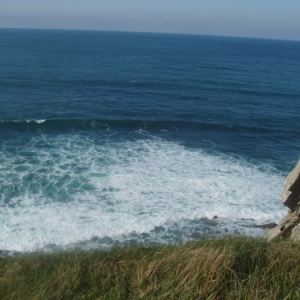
(227, 268)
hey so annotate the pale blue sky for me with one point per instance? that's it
(255, 18)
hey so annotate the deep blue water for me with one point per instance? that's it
(114, 138)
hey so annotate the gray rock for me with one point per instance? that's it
(289, 226)
(291, 193)
(274, 234)
(295, 235)
(265, 226)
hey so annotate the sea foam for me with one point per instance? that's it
(73, 190)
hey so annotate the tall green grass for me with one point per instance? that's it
(226, 268)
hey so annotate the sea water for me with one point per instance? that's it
(113, 138)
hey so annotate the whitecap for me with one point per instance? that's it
(142, 185)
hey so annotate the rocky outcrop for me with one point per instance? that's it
(265, 226)
(289, 226)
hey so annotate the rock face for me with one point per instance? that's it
(289, 226)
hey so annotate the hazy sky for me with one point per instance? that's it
(255, 18)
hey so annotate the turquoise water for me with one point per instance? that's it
(113, 138)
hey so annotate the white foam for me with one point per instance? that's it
(40, 121)
(68, 189)
(35, 121)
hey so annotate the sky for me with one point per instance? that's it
(274, 19)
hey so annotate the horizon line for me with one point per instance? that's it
(150, 32)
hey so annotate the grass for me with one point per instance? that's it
(226, 268)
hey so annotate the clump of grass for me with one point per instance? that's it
(226, 268)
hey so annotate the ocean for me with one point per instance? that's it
(115, 138)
